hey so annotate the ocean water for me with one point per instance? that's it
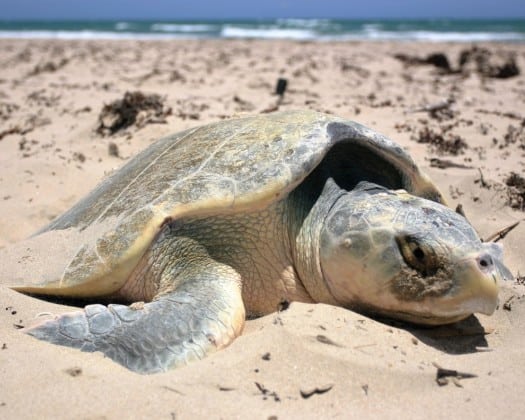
(298, 29)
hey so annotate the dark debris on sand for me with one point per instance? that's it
(438, 60)
(135, 108)
(514, 135)
(515, 191)
(48, 67)
(501, 65)
(486, 63)
(443, 142)
(442, 114)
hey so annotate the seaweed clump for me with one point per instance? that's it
(134, 109)
(446, 143)
(515, 191)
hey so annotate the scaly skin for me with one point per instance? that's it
(197, 310)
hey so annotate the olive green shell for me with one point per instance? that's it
(225, 167)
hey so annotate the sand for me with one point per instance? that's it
(309, 361)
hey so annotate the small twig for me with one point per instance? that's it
(500, 234)
(142, 78)
(317, 390)
(274, 107)
(508, 303)
(511, 115)
(325, 340)
(437, 106)
(267, 393)
(41, 314)
(445, 164)
(520, 279)
(363, 346)
(460, 210)
(169, 388)
(14, 130)
(482, 179)
(442, 375)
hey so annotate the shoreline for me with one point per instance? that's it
(280, 29)
(132, 37)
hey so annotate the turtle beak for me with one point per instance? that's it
(477, 291)
(476, 278)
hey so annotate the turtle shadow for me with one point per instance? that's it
(463, 337)
(75, 302)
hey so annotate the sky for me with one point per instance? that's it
(206, 9)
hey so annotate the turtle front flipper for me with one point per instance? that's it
(202, 314)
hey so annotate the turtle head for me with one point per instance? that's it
(405, 257)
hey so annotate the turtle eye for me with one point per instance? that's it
(417, 254)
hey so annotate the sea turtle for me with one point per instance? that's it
(235, 218)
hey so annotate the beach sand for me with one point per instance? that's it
(309, 361)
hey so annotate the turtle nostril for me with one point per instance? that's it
(485, 262)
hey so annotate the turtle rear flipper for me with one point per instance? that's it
(204, 313)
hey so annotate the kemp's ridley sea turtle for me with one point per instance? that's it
(229, 220)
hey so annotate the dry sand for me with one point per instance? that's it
(51, 95)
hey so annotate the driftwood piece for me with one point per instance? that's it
(500, 234)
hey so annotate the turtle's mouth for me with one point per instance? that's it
(477, 284)
(450, 294)
(421, 316)
(475, 290)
